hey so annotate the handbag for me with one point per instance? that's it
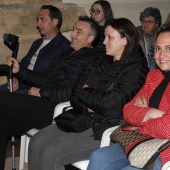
(73, 121)
(140, 149)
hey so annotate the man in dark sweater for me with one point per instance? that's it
(20, 113)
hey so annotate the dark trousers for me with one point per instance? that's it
(20, 113)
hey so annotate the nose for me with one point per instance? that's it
(105, 41)
(38, 22)
(161, 54)
(72, 34)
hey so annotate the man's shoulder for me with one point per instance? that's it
(87, 50)
(60, 38)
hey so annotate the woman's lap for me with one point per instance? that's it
(113, 157)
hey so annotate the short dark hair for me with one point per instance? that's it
(54, 13)
(167, 29)
(94, 28)
(108, 14)
(154, 12)
(126, 29)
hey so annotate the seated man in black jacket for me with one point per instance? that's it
(20, 113)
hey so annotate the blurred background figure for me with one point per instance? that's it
(101, 12)
(150, 22)
(166, 23)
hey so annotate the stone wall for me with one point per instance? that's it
(18, 17)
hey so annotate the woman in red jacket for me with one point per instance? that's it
(149, 109)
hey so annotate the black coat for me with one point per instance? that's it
(57, 84)
(111, 86)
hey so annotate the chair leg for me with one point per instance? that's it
(22, 151)
(13, 152)
(26, 149)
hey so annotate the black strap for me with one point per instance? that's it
(154, 100)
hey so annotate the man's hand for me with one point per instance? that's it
(34, 92)
(15, 85)
(10, 61)
(85, 85)
(90, 110)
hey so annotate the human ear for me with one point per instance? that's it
(124, 41)
(55, 22)
(90, 38)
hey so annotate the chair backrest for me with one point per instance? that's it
(59, 108)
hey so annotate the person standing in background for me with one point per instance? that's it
(101, 12)
(150, 22)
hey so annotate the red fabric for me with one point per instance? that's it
(159, 127)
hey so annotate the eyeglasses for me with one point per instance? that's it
(97, 12)
(147, 22)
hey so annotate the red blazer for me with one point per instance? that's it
(158, 127)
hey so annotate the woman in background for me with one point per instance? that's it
(101, 12)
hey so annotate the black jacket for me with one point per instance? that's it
(111, 86)
(57, 84)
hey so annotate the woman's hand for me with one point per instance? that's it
(141, 101)
(10, 61)
(153, 113)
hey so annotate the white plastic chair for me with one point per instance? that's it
(81, 164)
(58, 110)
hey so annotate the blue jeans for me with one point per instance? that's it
(114, 158)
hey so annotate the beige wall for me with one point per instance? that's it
(129, 8)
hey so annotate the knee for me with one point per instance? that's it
(35, 143)
(97, 155)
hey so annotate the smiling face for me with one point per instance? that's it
(80, 35)
(113, 42)
(45, 25)
(97, 14)
(162, 51)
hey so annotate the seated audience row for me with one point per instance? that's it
(20, 113)
(102, 93)
(98, 81)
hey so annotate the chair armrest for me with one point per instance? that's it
(166, 166)
(59, 108)
(106, 136)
